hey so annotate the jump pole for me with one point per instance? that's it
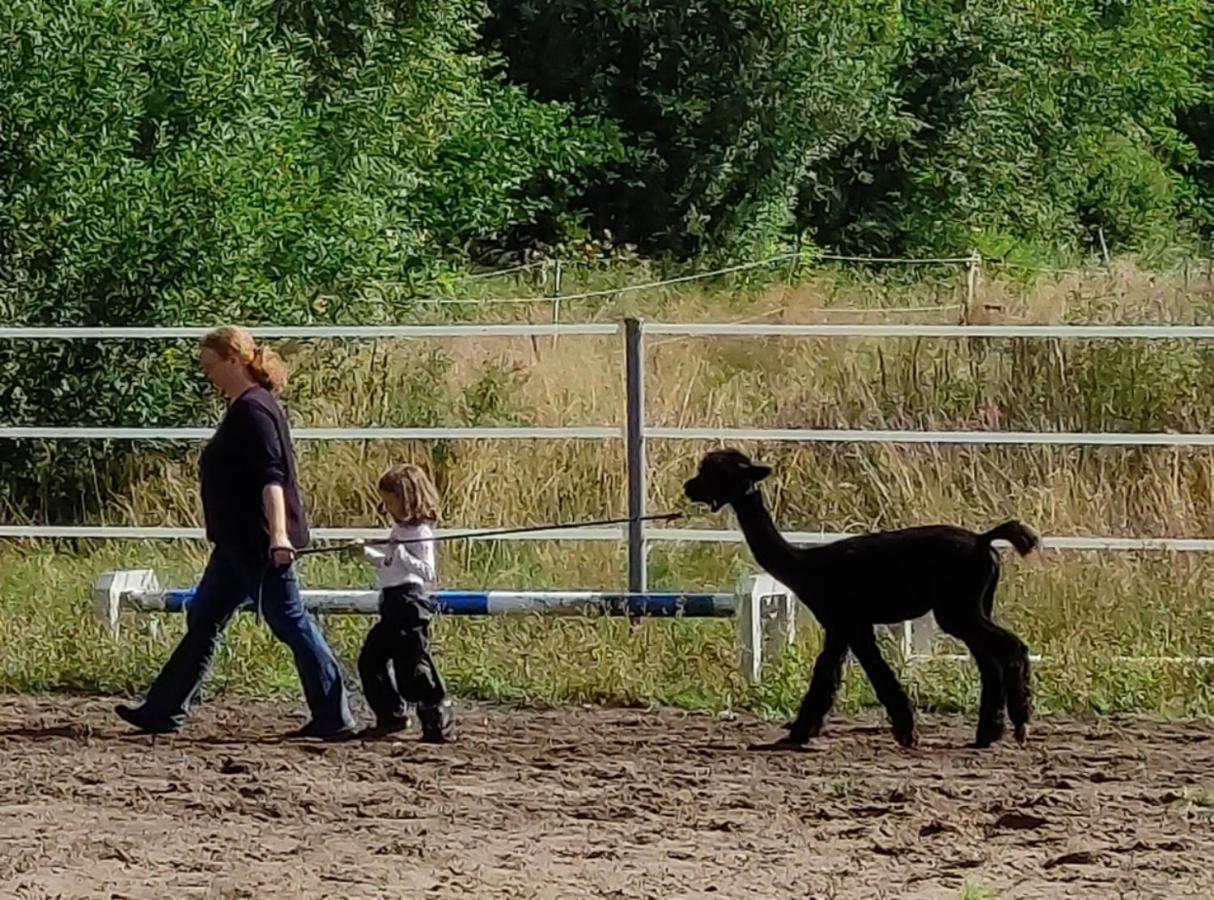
(764, 609)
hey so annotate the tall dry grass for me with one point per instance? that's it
(1082, 609)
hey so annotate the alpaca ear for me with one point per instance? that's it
(757, 472)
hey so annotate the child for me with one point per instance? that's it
(406, 574)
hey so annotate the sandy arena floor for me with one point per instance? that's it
(596, 803)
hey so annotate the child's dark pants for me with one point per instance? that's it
(402, 637)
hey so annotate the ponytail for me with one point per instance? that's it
(264, 365)
(267, 369)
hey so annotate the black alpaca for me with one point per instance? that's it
(882, 578)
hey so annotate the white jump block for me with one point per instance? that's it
(113, 590)
(767, 623)
(918, 636)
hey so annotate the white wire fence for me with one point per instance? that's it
(973, 263)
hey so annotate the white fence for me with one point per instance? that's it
(646, 433)
(636, 433)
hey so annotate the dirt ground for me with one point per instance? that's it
(596, 803)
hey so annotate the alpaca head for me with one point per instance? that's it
(723, 477)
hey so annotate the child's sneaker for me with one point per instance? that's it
(387, 726)
(438, 722)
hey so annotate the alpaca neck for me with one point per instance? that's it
(775, 555)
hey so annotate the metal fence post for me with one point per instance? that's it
(634, 435)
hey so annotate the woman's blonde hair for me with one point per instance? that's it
(264, 365)
(417, 493)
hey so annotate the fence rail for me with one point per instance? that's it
(471, 433)
(636, 433)
(617, 534)
(1091, 332)
(178, 533)
(357, 332)
(883, 436)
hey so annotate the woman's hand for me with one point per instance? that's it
(281, 552)
(355, 548)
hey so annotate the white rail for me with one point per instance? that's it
(655, 535)
(596, 432)
(472, 433)
(1037, 659)
(1067, 542)
(169, 533)
(14, 332)
(879, 436)
(1144, 332)
(1121, 332)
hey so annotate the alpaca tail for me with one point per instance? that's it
(1020, 536)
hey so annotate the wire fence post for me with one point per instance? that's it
(971, 283)
(634, 434)
(556, 296)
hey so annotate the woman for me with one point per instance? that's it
(254, 520)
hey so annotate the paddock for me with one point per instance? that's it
(607, 802)
(621, 802)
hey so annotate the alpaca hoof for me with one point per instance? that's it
(906, 736)
(988, 735)
(797, 737)
(1021, 732)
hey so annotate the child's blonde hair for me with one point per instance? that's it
(417, 493)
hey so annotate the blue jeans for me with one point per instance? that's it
(228, 581)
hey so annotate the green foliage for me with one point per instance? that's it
(1197, 124)
(882, 127)
(207, 162)
(1040, 126)
(730, 108)
(326, 160)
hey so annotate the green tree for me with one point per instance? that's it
(1040, 126)
(1197, 123)
(218, 161)
(729, 107)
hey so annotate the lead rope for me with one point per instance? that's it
(493, 532)
(261, 580)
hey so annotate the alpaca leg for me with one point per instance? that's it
(1014, 657)
(885, 683)
(994, 695)
(1017, 673)
(828, 672)
(989, 659)
(974, 627)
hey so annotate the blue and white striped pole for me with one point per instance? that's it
(491, 603)
(764, 609)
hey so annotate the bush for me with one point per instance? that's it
(1039, 127)
(878, 127)
(728, 107)
(237, 161)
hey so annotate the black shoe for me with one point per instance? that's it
(139, 718)
(387, 726)
(329, 735)
(438, 723)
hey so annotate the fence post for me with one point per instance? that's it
(634, 435)
(971, 283)
(556, 296)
